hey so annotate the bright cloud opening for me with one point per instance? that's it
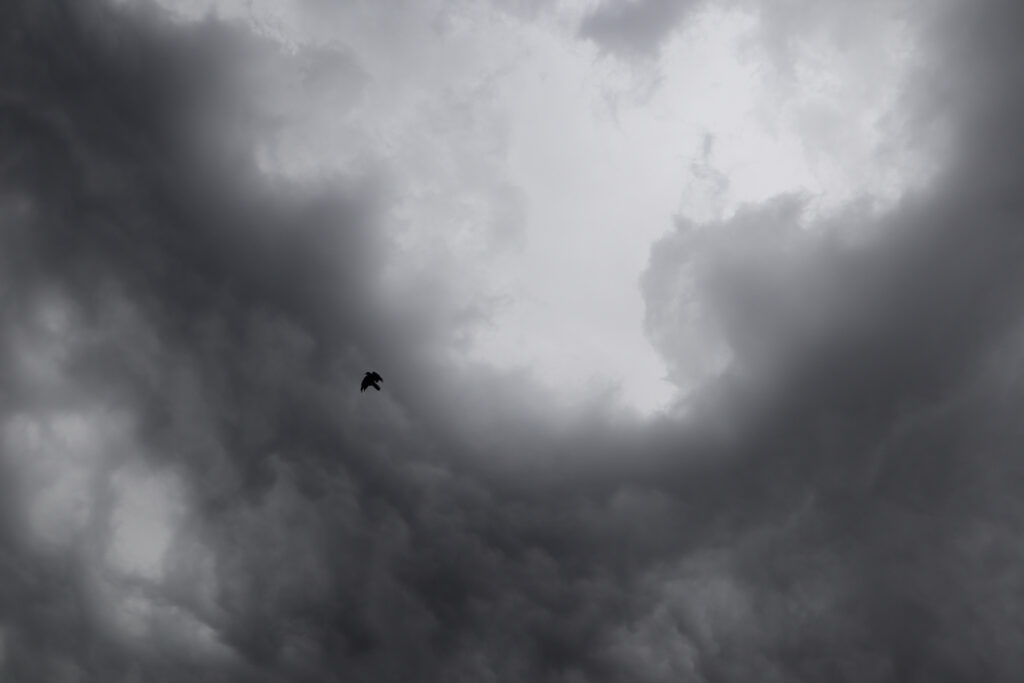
(531, 173)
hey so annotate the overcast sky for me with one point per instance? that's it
(700, 324)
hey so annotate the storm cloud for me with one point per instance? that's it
(634, 28)
(194, 488)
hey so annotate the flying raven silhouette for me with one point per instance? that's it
(370, 379)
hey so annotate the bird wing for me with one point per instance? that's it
(376, 377)
(367, 381)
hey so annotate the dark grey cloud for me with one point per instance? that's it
(865, 362)
(225, 314)
(839, 505)
(638, 28)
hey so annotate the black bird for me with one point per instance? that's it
(370, 379)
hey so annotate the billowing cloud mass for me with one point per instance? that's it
(215, 218)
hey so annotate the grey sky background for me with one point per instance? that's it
(194, 489)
